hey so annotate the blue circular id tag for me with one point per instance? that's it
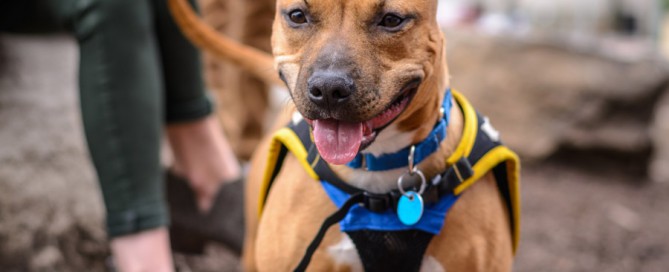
(410, 208)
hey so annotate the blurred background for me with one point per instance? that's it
(580, 89)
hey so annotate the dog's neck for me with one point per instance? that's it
(395, 137)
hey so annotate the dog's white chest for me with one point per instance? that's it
(430, 264)
(344, 253)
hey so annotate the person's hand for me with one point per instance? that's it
(204, 157)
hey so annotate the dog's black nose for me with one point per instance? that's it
(330, 88)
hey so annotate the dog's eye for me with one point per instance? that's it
(297, 17)
(391, 21)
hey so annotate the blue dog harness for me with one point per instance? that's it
(432, 218)
(377, 223)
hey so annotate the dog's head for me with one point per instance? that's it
(355, 67)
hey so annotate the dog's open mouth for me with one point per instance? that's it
(338, 142)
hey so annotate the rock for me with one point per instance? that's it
(45, 259)
(624, 217)
(559, 103)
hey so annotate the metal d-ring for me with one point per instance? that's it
(423, 182)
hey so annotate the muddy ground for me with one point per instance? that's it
(51, 211)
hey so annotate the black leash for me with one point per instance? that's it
(331, 220)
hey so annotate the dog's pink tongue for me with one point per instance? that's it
(337, 142)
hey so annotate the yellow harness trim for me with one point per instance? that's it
(288, 138)
(468, 131)
(491, 159)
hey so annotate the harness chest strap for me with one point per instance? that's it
(487, 154)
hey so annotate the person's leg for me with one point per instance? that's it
(144, 251)
(121, 101)
(203, 158)
(201, 151)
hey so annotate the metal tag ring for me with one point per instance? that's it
(423, 182)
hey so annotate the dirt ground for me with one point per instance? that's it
(51, 211)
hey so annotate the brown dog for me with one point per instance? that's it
(369, 77)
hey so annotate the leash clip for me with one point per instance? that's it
(412, 168)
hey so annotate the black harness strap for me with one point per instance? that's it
(331, 220)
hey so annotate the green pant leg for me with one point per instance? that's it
(121, 102)
(185, 96)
